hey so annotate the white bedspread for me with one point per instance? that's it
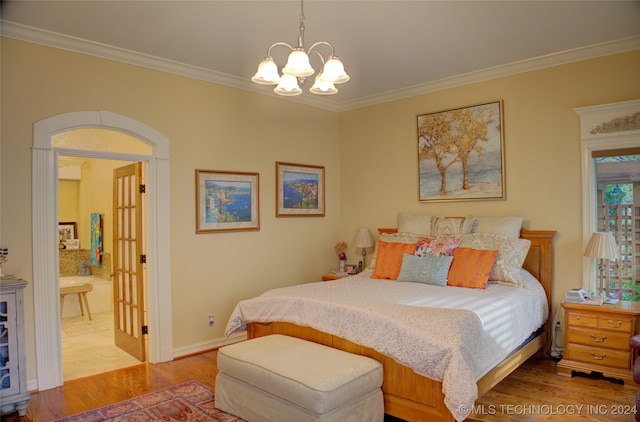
(449, 334)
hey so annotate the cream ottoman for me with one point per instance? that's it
(280, 378)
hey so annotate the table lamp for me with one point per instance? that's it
(364, 240)
(602, 246)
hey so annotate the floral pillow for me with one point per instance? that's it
(436, 246)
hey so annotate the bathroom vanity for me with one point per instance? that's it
(14, 395)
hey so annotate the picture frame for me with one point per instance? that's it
(227, 201)
(461, 154)
(351, 269)
(67, 231)
(300, 190)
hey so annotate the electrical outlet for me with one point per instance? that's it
(210, 320)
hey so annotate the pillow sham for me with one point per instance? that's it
(428, 270)
(415, 223)
(511, 255)
(508, 226)
(436, 246)
(395, 238)
(471, 267)
(389, 259)
(452, 226)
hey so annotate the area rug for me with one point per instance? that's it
(79, 326)
(191, 401)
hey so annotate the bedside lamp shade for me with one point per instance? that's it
(601, 246)
(364, 240)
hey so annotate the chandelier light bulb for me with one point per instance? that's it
(298, 64)
(334, 71)
(288, 86)
(322, 87)
(267, 73)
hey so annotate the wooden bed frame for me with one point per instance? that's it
(413, 397)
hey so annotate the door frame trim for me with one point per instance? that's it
(44, 204)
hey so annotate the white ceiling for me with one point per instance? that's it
(390, 49)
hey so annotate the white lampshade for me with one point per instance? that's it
(602, 245)
(298, 64)
(288, 86)
(267, 73)
(322, 87)
(333, 71)
(364, 239)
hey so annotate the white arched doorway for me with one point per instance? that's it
(45, 237)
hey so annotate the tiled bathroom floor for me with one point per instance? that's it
(88, 347)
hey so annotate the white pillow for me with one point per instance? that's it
(508, 226)
(511, 255)
(414, 223)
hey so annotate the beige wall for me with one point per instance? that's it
(378, 146)
(369, 155)
(209, 127)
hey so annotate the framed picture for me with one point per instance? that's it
(299, 190)
(67, 231)
(461, 154)
(227, 201)
(351, 269)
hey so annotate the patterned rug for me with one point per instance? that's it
(190, 401)
(81, 325)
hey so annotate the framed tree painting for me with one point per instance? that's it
(461, 154)
(227, 201)
(299, 190)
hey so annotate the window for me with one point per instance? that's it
(618, 212)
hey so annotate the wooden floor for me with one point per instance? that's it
(533, 392)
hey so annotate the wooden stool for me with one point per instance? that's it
(81, 291)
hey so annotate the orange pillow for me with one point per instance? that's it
(471, 267)
(389, 259)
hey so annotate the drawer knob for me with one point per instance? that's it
(578, 317)
(602, 339)
(618, 325)
(601, 357)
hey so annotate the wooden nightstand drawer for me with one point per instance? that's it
(624, 325)
(579, 319)
(599, 356)
(598, 338)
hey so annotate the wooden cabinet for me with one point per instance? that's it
(14, 395)
(596, 339)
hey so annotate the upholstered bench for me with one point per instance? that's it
(280, 378)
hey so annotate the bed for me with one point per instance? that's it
(424, 378)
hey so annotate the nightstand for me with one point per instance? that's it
(596, 339)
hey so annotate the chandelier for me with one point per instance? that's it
(298, 68)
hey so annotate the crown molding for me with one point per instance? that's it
(79, 45)
(537, 63)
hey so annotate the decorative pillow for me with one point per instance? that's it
(511, 255)
(415, 223)
(395, 238)
(389, 259)
(508, 226)
(436, 246)
(471, 267)
(429, 270)
(452, 226)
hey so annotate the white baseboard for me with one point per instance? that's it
(208, 345)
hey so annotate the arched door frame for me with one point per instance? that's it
(45, 237)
